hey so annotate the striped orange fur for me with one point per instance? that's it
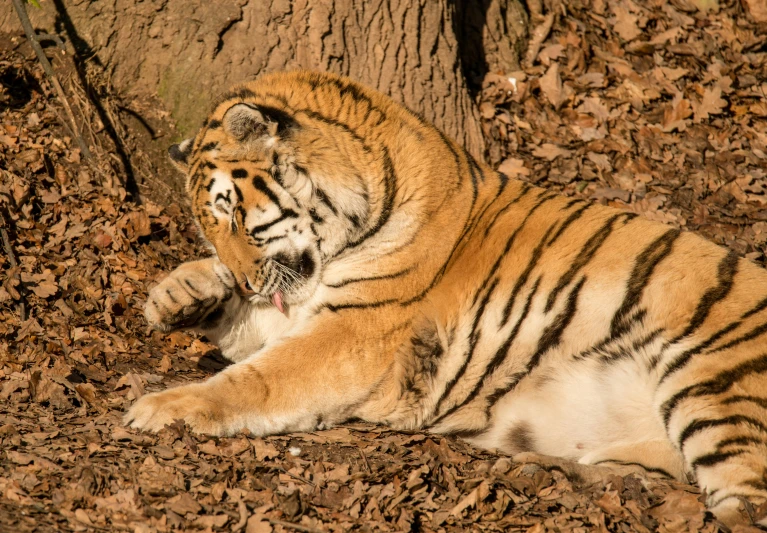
(366, 266)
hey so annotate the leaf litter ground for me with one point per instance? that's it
(655, 107)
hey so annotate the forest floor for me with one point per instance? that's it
(657, 108)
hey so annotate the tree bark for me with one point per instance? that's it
(427, 54)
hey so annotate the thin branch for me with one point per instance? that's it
(21, 10)
(540, 33)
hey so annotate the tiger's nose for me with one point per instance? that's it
(246, 288)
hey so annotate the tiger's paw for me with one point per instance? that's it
(581, 475)
(190, 296)
(194, 404)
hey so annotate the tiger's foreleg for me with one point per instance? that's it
(298, 384)
(201, 296)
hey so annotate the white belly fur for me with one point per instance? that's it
(580, 410)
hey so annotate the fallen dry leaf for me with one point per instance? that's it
(711, 103)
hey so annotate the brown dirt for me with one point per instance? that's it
(688, 150)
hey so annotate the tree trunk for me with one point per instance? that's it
(427, 54)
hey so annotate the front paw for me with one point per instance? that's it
(193, 295)
(194, 404)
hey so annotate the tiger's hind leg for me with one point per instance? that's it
(715, 411)
(652, 459)
(658, 458)
(581, 475)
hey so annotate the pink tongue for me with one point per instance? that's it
(277, 301)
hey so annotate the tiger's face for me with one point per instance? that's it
(244, 198)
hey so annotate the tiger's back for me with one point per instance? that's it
(596, 335)
(425, 290)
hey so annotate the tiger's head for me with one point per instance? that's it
(273, 195)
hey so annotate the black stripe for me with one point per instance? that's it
(238, 192)
(575, 215)
(320, 118)
(522, 278)
(743, 440)
(637, 319)
(191, 286)
(207, 147)
(323, 197)
(713, 459)
(336, 124)
(284, 120)
(390, 188)
(468, 227)
(586, 254)
(344, 88)
(550, 338)
(213, 124)
(507, 247)
(756, 309)
(754, 333)
(241, 93)
(643, 269)
(758, 484)
(371, 278)
(503, 179)
(698, 425)
(208, 164)
(719, 384)
(728, 267)
(621, 354)
(761, 402)
(513, 236)
(354, 219)
(687, 355)
(287, 213)
(496, 361)
(241, 211)
(260, 185)
(652, 469)
(225, 197)
(542, 197)
(475, 172)
(315, 218)
(552, 334)
(574, 201)
(474, 337)
(264, 242)
(196, 175)
(239, 173)
(367, 305)
(449, 144)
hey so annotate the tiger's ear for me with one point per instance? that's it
(247, 122)
(179, 154)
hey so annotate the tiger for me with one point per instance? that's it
(365, 266)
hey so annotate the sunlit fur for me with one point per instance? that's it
(437, 294)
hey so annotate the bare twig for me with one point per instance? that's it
(297, 478)
(21, 10)
(540, 33)
(50, 37)
(12, 258)
(535, 8)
